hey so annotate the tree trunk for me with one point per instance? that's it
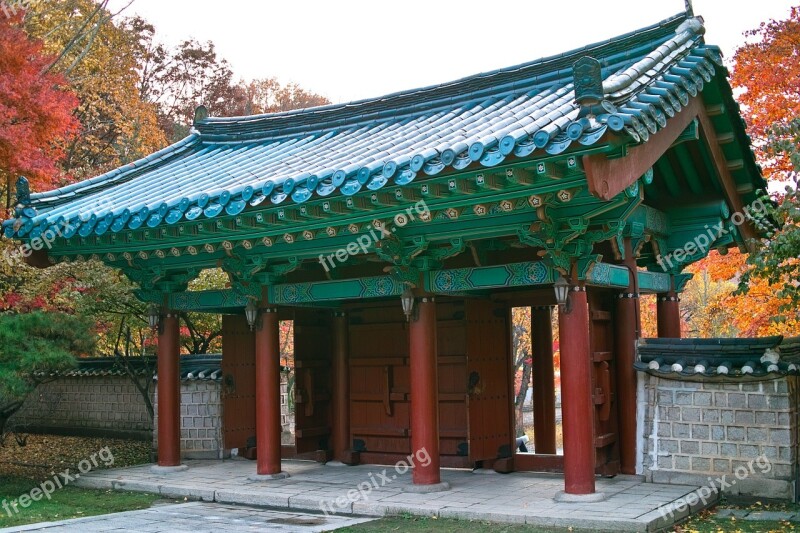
(519, 401)
(6, 412)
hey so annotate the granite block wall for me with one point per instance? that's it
(696, 433)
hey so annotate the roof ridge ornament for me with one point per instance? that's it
(23, 191)
(587, 75)
(200, 114)
(588, 80)
(693, 25)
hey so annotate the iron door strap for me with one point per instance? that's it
(228, 385)
(474, 386)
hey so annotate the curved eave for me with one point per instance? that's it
(530, 122)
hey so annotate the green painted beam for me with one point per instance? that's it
(651, 219)
(460, 280)
(605, 275)
(688, 169)
(207, 301)
(711, 172)
(670, 180)
(653, 282)
(454, 281)
(337, 290)
(526, 274)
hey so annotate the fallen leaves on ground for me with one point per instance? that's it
(43, 454)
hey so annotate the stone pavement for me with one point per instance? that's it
(371, 490)
(198, 517)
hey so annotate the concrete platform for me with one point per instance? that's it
(197, 517)
(523, 498)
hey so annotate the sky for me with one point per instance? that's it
(353, 49)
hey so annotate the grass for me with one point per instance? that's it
(69, 502)
(710, 522)
(705, 522)
(22, 468)
(444, 525)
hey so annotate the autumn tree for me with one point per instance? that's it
(712, 306)
(776, 263)
(179, 80)
(767, 72)
(36, 121)
(268, 95)
(522, 361)
(99, 54)
(202, 332)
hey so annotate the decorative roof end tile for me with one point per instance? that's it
(588, 80)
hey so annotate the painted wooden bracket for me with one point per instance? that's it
(609, 177)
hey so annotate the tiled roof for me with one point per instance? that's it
(227, 165)
(746, 359)
(193, 367)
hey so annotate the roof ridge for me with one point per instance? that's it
(230, 164)
(210, 122)
(215, 128)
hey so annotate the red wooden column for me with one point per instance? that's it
(544, 393)
(169, 396)
(268, 397)
(424, 398)
(576, 398)
(626, 333)
(341, 390)
(668, 315)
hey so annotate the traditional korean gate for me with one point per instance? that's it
(312, 390)
(238, 383)
(601, 346)
(489, 381)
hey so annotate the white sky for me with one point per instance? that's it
(352, 49)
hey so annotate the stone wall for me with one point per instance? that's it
(201, 420)
(746, 432)
(96, 405)
(110, 406)
(202, 435)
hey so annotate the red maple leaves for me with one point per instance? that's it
(36, 110)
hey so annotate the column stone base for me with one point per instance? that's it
(424, 489)
(268, 477)
(593, 497)
(158, 469)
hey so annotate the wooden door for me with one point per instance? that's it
(451, 340)
(238, 383)
(312, 389)
(488, 381)
(601, 346)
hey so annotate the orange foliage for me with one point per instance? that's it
(769, 72)
(750, 315)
